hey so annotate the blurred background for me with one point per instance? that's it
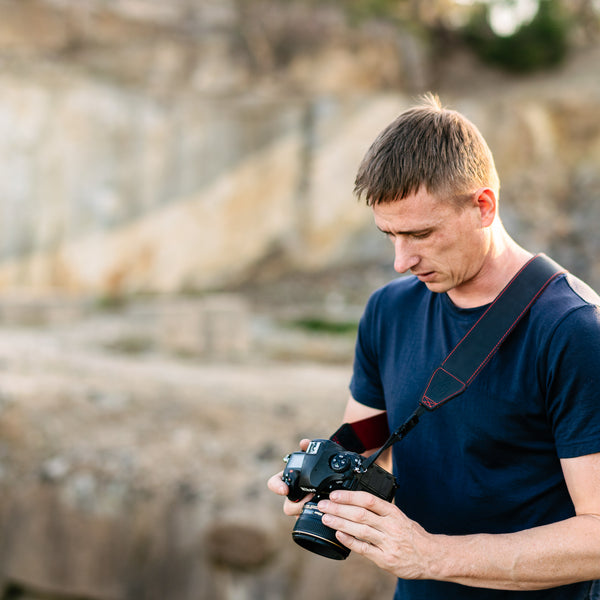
(183, 264)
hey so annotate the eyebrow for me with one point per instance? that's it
(413, 232)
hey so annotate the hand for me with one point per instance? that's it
(379, 531)
(275, 484)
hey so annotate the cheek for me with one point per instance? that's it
(447, 248)
(457, 252)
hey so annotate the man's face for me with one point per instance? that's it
(444, 246)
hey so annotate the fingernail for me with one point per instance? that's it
(323, 505)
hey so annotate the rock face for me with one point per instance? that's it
(147, 148)
(164, 150)
(142, 473)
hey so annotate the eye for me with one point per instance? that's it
(421, 235)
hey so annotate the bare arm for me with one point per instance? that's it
(355, 411)
(538, 558)
(549, 556)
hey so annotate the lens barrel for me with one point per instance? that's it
(310, 533)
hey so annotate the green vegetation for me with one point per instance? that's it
(360, 10)
(321, 325)
(539, 44)
(133, 345)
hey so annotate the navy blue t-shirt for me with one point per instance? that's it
(488, 460)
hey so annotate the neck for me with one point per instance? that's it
(500, 263)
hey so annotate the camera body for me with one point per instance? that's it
(324, 467)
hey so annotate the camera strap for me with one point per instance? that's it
(464, 362)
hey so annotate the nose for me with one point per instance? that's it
(404, 258)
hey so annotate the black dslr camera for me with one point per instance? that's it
(324, 467)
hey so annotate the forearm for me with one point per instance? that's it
(539, 558)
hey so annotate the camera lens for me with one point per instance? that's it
(310, 533)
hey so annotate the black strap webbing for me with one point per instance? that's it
(482, 341)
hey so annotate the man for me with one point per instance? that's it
(499, 489)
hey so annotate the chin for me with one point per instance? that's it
(438, 288)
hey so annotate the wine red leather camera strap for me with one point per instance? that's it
(467, 358)
(363, 435)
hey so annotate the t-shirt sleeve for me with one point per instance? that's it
(573, 383)
(366, 386)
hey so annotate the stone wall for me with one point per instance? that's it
(153, 150)
(140, 473)
(143, 149)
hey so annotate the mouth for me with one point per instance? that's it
(425, 276)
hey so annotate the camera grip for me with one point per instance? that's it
(290, 478)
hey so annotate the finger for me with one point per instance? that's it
(359, 546)
(294, 509)
(357, 529)
(367, 501)
(366, 521)
(275, 484)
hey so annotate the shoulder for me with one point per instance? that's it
(566, 316)
(582, 290)
(567, 334)
(566, 298)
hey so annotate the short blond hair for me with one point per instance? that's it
(430, 146)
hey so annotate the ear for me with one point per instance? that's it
(486, 201)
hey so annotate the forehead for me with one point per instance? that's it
(417, 211)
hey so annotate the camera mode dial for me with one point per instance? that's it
(340, 462)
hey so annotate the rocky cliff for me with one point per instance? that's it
(152, 150)
(155, 148)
